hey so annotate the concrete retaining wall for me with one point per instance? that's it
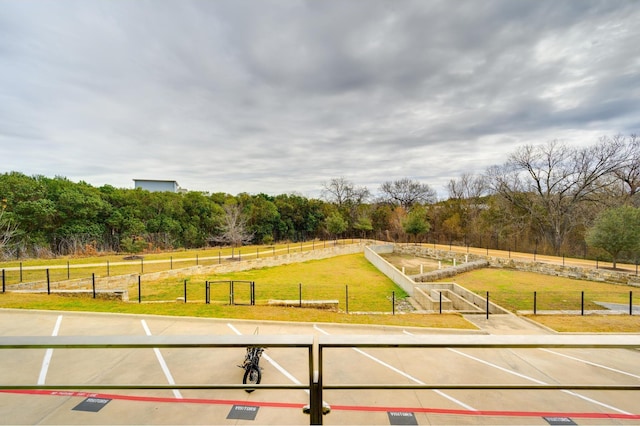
(402, 280)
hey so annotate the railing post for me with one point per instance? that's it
(487, 305)
(48, 282)
(93, 284)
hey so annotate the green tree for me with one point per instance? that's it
(616, 231)
(415, 223)
(336, 224)
(364, 225)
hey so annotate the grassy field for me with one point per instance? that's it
(514, 291)
(369, 294)
(65, 268)
(328, 279)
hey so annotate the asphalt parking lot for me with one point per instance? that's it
(290, 365)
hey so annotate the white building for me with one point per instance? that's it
(157, 185)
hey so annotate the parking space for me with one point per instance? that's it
(290, 365)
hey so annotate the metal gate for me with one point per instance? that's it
(233, 298)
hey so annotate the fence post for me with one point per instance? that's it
(196, 260)
(300, 295)
(139, 291)
(20, 271)
(393, 302)
(107, 268)
(346, 297)
(48, 282)
(170, 262)
(487, 305)
(93, 284)
(185, 291)
(582, 303)
(253, 293)
(68, 271)
(440, 292)
(206, 292)
(3, 280)
(535, 302)
(630, 301)
(141, 265)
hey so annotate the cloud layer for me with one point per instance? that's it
(282, 96)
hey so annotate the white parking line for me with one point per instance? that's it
(163, 364)
(593, 401)
(592, 363)
(48, 354)
(420, 382)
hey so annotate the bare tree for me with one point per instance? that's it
(629, 172)
(340, 192)
(466, 203)
(467, 187)
(8, 228)
(406, 193)
(347, 197)
(234, 227)
(552, 183)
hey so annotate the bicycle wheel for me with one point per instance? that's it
(252, 376)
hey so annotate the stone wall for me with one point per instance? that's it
(451, 271)
(123, 281)
(555, 269)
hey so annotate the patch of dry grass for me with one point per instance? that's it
(589, 323)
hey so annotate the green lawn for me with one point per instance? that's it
(514, 290)
(369, 291)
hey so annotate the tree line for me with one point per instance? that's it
(549, 198)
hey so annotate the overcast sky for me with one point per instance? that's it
(282, 96)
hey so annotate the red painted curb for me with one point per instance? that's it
(487, 413)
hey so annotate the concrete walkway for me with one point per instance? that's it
(505, 324)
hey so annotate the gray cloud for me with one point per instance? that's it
(281, 96)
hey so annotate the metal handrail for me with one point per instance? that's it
(315, 386)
